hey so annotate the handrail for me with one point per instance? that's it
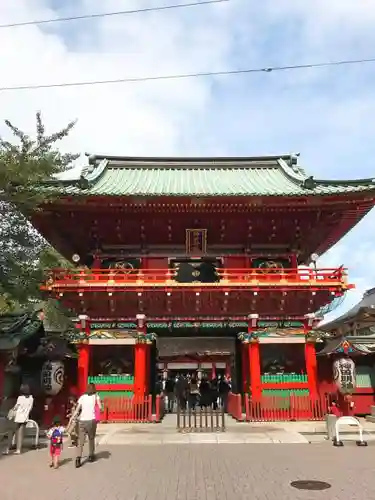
(167, 277)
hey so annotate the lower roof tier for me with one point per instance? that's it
(100, 304)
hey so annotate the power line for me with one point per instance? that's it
(109, 14)
(181, 76)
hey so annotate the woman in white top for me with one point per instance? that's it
(89, 406)
(19, 415)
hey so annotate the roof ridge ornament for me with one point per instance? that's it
(83, 182)
(309, 183)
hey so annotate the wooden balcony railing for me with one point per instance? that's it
(165, 278)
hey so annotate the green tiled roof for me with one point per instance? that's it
(256, 176)
(17, 327)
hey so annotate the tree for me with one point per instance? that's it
(24, 255)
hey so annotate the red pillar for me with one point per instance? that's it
(311, 368)
(310, 357)
(140, 369)
(140, 357)
(83, 367)
(255, 371)
(84, 355)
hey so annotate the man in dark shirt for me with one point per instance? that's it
(169, 392)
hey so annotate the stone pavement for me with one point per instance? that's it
(206, 472)
(236, 433)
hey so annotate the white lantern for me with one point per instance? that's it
(52, 377)
(344, 375)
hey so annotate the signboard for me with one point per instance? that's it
(170, 325)
(282, 324)
(113, 325)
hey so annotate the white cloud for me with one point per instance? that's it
(326, 114)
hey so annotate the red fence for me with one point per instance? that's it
(277, 408)
(235, 406)
(122, 409)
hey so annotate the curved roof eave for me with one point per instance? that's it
(367, 302)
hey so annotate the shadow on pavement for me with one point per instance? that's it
(103, 455)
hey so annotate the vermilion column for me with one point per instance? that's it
(310, 357)
(311, 368)
(140, 357)
(83, 367)
(255, 371)
(84, 355)
(140, 369)
(254, 359)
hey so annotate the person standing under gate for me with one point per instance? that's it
(169, 392)
(224, 389)
(214, 393)
(193, 393)
(181, 391)
(89, 407)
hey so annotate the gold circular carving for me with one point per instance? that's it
(270, 266)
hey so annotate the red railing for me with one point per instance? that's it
(281, 408)
(154, 278)
(235, 406)
(122, 409)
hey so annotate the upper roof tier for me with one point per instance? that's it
(251, 176)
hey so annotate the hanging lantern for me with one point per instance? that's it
(344, 375)
(52, 377)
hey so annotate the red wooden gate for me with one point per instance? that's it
(285, 408)
(122, 409)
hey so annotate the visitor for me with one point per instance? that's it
(205, 392)
(224, 389)
(181, 390)
(169, 393)
(89, 407)
(214, 393)
(55, 435)
(18, 417)
(193, 393)
(72, 416)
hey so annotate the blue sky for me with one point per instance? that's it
(327, 115)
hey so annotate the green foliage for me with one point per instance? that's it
(29, 161)
(24, 255)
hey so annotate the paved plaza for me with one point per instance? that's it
(207, 472)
